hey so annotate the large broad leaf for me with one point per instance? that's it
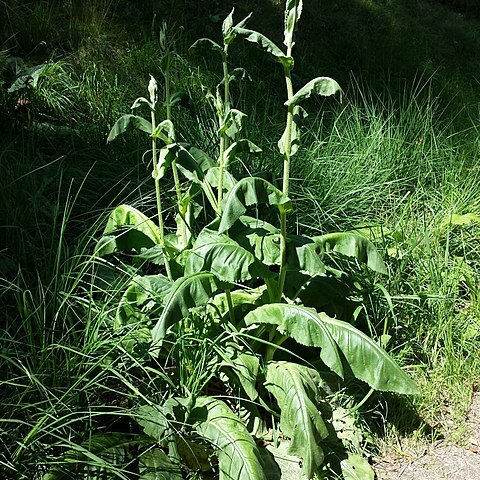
(324, 86)
(293, 10)
(129, 121)
(266, 45)
(242, 300)
(186, 292)
(352, 245)
(295, 388)
(217, 253)
(355, 467)
(126, 216)
(101, 457)
(251, 191)
(368, 361)
(243, 365)
(143, 294)
(302, 324)
(238, 455)
(154, 464)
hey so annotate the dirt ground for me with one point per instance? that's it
(441, 461)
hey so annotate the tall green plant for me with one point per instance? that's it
(246, 290)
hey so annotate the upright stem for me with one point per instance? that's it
(159, 200)
(222, 117)
(174, 164)
(286, 182)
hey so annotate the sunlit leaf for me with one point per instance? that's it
(299, 114)
(186, 292)
(238, 455)
(251, 191)
(129, 121)
(266, 45)
(295, 387)
(302, 324)
(323, 86)
(293, 10)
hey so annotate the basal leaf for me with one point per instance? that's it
(245, 367)
(187, 292)
(154, 464)
(126, 216)
(368, 361)
(238, 455)
(266, 45)
(295, 387)
(123, 240)
(143, 294)
(129, 121)
(352, 245)
(355, 467)
(251, 191)
(217, 253)
(324, 86)
(302, 324)
(154, 422)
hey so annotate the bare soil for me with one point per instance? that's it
(440, 461)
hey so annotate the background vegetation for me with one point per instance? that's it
(397, 160)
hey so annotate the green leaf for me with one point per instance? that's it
(293, 11)
(355, 467)
(352, 245)
(244, 365)
(213, 175)
(206, 42)
(166, 156)
(302, 324)
(139, 101)
(233, 123)
(243, 300)
(238, 455)
(251, 191)
(324, 86)
(217, 253)
(241, 146)
(165, 131)
(266, 45)
(368, 361)
(187, 292)
(123, 240)
(143, 294)
(154, 464)
(154, 422)
(299, 114)
(126, 216)
(101, 457)
(295, 388)
(129, 121)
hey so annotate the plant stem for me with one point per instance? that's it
(159, 200)
(222, 117)
(174, 164)
(286, 182)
